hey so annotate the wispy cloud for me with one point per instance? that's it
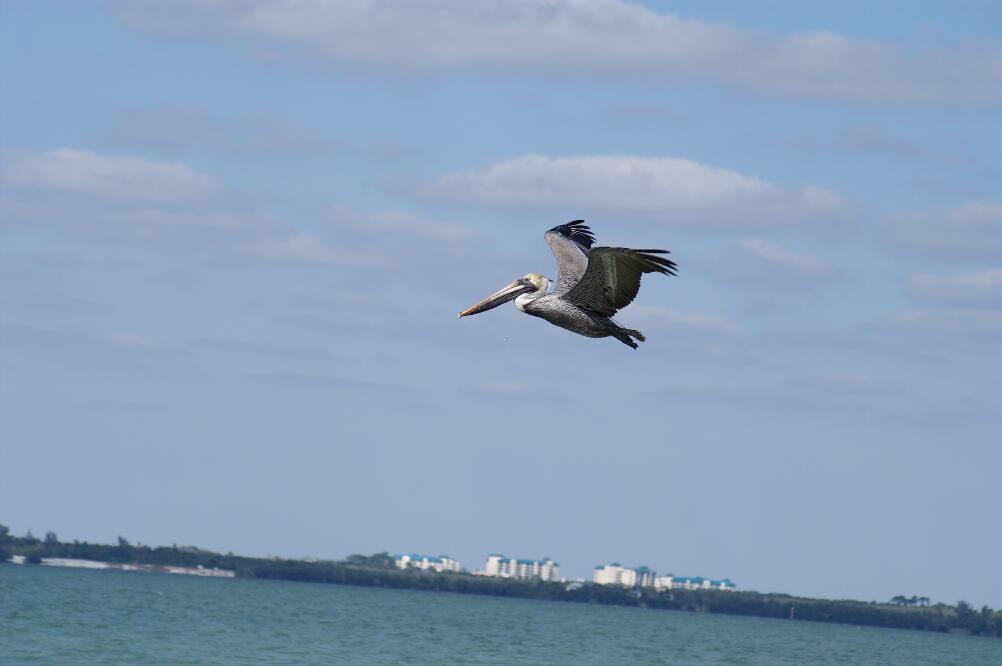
(698, 325)
(402, 224)
(849, 383)
(835, 395)
(179, 128)
(759, 264)
(137, 199)
(874, 140)
(298, 248)
(31, 298)
(963, 289)
(958, 324)
(578, 38)
(122, 348)
(383, 238)
(128, 197)
(970, 231)
(258, 348)
(666, 190)
(326, 382)
(402, 244)
(122, 179)
(645, 114)
(851, 342)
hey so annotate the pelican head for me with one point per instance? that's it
(523, 290)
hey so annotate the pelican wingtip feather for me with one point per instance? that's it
(577, 231)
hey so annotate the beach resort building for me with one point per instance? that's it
(672, 582)
(616, 574)
(414, 560)
(507, 567)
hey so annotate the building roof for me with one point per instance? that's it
(545, 560)
(417, 556)
(699, 580)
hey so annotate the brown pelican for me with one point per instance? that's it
(592, 284)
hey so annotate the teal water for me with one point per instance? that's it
(69, 616)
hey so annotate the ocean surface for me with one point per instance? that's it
(71, 616)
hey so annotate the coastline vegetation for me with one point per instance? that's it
(379, 571)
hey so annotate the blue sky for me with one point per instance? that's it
(234, 241)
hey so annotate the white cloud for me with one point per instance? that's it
(964, 289)
(971, 231)
(579, 38)
(671, 190)
(759, 264)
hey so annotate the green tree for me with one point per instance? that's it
(378, 560)
(51, 538)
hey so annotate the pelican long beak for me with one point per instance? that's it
(499, 297)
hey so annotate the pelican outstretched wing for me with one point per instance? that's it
(570, 244)
(612, 277)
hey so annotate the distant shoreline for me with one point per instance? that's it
(372, 571)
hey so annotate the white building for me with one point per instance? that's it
(672, 582)
(438, 563)
(507, 567)
(664, 582)
(616, 574)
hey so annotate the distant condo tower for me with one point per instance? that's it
(615, 574)
(507, 567)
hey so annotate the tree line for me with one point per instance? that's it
(379, 570)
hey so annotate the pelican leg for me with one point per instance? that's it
(624, 336)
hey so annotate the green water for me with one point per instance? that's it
(68, 616)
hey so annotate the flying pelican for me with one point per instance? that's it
(592, 284)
